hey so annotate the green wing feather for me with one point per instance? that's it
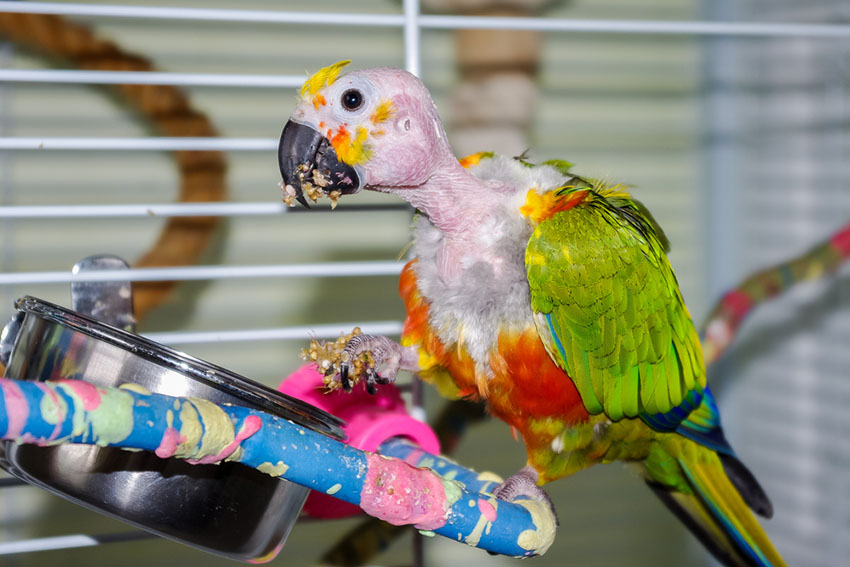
(608, 307)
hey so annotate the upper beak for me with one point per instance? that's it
(308, 162)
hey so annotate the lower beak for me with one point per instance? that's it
(308, 164)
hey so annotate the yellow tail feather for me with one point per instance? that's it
(723, 509)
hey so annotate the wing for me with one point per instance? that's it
(608, 308)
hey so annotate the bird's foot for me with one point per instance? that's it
(372, 358)
(357, 357)
(524, 484)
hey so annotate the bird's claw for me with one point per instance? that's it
(368, 358)
(344, 369)
(524, 484)
(347, 375)
(356, 357)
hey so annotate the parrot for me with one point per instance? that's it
(546, 294)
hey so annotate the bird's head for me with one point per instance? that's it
(373, 129)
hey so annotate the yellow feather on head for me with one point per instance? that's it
(323, 77)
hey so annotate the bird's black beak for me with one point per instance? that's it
(308, 163)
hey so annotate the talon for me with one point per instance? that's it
(356, 357)
(372, 379)
(524, 484)
(343, 377)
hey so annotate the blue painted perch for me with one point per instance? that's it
(73, 411)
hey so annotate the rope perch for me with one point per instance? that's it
(182, 240)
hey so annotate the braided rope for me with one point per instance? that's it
(166, 108)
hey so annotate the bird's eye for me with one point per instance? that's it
(352, 100)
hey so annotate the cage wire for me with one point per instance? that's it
(730, 118)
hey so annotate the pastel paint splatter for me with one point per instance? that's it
(474, 537)
(278, 469)
(86, 393)
(133, 387)
(538, 540)
(191, 429)
(487, 476)
(452, 491)
(487, 510)
(70, 389)
(53, 410)
(400, 494)
(413, 458)
(115, 424)
(17, 410)
(169, 443)
(250, 426)
(450, 475)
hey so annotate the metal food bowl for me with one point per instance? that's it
(227, 509)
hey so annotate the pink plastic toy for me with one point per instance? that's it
(370, 420)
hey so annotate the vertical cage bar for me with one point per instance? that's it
(412, 62)
(720, 124)
(411, 36)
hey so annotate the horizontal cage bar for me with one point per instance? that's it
(213, 209)
(146, 144)
(328, 331)
(185, 273)
(148, 78)
(700, 28)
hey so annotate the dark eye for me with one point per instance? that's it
(352, 99)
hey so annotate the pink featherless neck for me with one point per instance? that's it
(455, 201)
(415, 161)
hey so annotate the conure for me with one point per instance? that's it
(543, 292)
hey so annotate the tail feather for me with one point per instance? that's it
(708, 503)
(746, 483)
(698, 519)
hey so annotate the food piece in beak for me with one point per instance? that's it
(309, 166)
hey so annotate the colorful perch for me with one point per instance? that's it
(73, 411)
(727, 316)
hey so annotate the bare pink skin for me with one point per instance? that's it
(487, 510)
(410, 155)
(401, 495)
(455, 201)
(251, 425)
(169, 443)
(16, 408)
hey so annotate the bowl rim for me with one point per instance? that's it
(255, 395)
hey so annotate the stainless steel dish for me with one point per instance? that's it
(227, 509)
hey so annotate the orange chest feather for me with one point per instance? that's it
(522, 381)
